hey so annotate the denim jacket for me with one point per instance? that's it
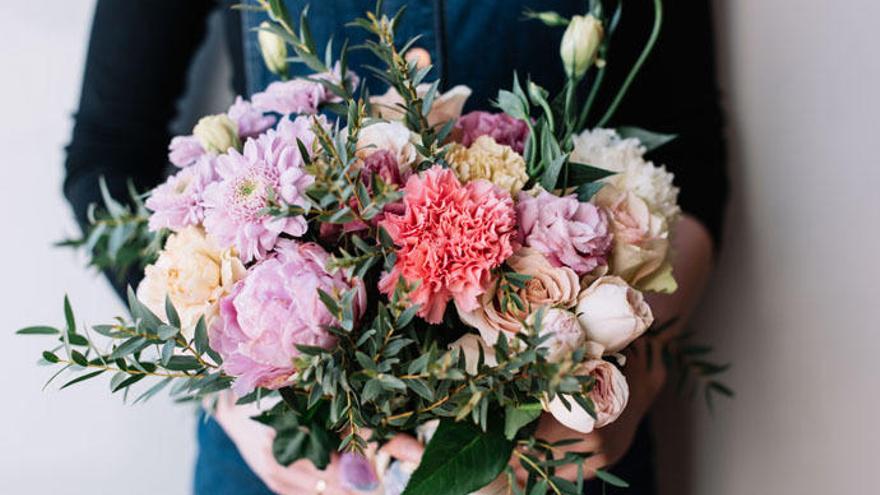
(474, 42)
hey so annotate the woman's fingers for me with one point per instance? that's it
(404, 447)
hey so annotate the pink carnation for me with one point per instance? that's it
(184, 151)
(501, 127)
(177, 203)
(272, 310)
(568, 232)
(234, 205)
(449, 239)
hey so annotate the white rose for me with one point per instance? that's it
(470, 345)
(391, 136)
(273, 49)
(605, 149)
(194, 273)
(564, 331)
(580, 44)
(217, 133)
(610, 394)
(612, 313)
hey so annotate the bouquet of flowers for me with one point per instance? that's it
(397, 268)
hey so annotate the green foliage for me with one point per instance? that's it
(460, 459)
(118, 238)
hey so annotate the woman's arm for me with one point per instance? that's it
(136, 68)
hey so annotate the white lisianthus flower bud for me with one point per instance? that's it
(613, 314)
(217, 133)
(580, 44)
(273, 49)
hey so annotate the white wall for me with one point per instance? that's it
(78, 440)
(792, 304)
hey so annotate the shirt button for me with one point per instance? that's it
(418, 55)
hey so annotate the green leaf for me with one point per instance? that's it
(611, 479)
(183, 363)
(68, 316)
(460, 459)
(50, 357)
(551, 179)
(38, 331)
(166, 332)
(512, 105)
(201, 336)
(171, 313)
(167, 352)
(650, 140)
(81, 378)
(131, 345)
(517, 417)
(586, 191)
(579, 173)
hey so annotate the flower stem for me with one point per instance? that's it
(652, 40)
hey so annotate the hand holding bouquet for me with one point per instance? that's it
(398, 268)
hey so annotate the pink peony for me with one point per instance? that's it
(177, 203)
(449, 239)
(501, 127)
(234, 205)
(250, 122)
(301, 96)
(568, 232)
(272, 310)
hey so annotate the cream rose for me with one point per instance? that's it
(194, 273)
(613, 314)
(447, 106)
(470, 345)
(610, 394)
(641, 241)
(390, 136)
(564, 331)
(549, 286)
(486, 159)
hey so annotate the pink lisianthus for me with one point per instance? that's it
(234, 205)
(501, 127)
(449, 239)
(178, 203)
(272, 310)
(567, 231)
(302, 96)
(250, 122)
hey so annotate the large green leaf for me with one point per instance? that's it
(579, 173)
(649, 139)
(460, 459)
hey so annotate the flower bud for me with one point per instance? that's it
(217, 133)
(273, 49)
(580, 43)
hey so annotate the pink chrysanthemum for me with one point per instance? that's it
(184, 151)
(501, 127)
(251, 121)
(234, 205)
(177, 203)
(567, 231)
(302, 96)
(272, 310)
(449, 239)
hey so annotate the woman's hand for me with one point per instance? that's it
(254, 443)
(646, 375)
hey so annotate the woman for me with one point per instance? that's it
(136, 70)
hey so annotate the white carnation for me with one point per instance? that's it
(605, 149)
